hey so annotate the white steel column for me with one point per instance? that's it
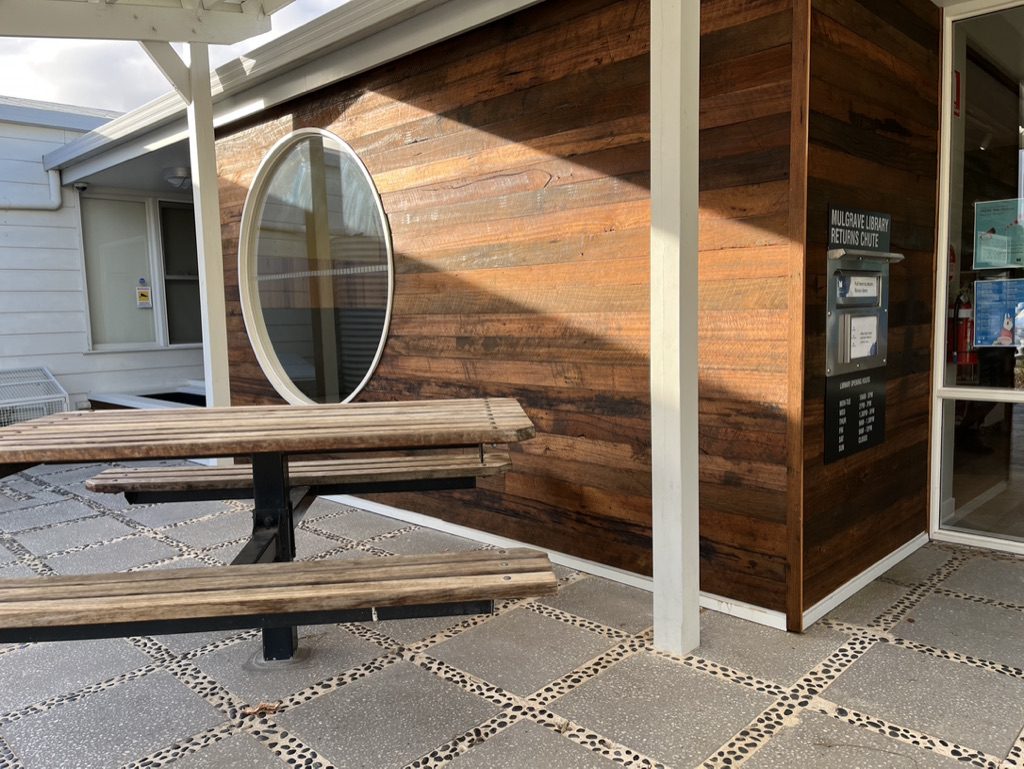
(675, 79)
(207, 208)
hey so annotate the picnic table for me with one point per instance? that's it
(269, 435)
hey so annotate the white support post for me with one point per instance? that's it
(207, 208)
(675, 78)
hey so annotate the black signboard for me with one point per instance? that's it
(857, 230)
(854, 413)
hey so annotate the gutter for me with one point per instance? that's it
(29, 112)
(52, 203)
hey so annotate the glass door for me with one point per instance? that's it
(980, 379)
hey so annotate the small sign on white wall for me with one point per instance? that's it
(144, 297)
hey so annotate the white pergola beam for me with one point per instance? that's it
(168, 62)
(163, 21)
(267, 6)
(675, 83)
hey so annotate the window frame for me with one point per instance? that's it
(252, 312)
(160, 262)
(154, 265)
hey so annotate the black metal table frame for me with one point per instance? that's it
(273, 541)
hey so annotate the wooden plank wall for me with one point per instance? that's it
(513, 163)
(518, 198)
(873, 144)
(745, 247)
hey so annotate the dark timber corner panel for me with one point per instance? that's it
(873, 144)
(807, 103)
(513, 163)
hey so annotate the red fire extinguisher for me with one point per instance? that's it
(961, 336)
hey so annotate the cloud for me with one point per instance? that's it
(115, 75)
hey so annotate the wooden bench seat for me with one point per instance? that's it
(267, 595)
(349, 475)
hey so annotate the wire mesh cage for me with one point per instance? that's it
(27, 393)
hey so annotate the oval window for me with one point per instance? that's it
(315, 269)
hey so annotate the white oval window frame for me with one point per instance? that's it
(252, 311)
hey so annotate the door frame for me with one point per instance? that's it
(943, 395)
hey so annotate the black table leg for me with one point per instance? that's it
(272, 516)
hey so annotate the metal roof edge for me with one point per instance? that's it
(147, 117)
(51, 114)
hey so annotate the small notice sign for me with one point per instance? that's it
(998, 234)
(853, 229)
(858, 287)
(863, 336)
(143, 298)
(997, 306)
(854, 413)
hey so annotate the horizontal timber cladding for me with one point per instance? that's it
(744, 311)
(513, 164)
(873, 145)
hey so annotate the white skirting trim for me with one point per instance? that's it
(426, 521)
(747, 611)
(831, 601)
(717, 603)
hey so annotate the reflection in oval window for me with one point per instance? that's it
(315, 269)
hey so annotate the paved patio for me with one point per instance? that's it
(921, 669)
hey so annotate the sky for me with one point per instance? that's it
(114, 75)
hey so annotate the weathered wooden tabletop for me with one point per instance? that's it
(110, 435)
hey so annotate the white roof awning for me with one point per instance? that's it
(219, 22)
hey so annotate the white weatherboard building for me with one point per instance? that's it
(95, 335)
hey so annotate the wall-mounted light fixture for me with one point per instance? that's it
(179, 177)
